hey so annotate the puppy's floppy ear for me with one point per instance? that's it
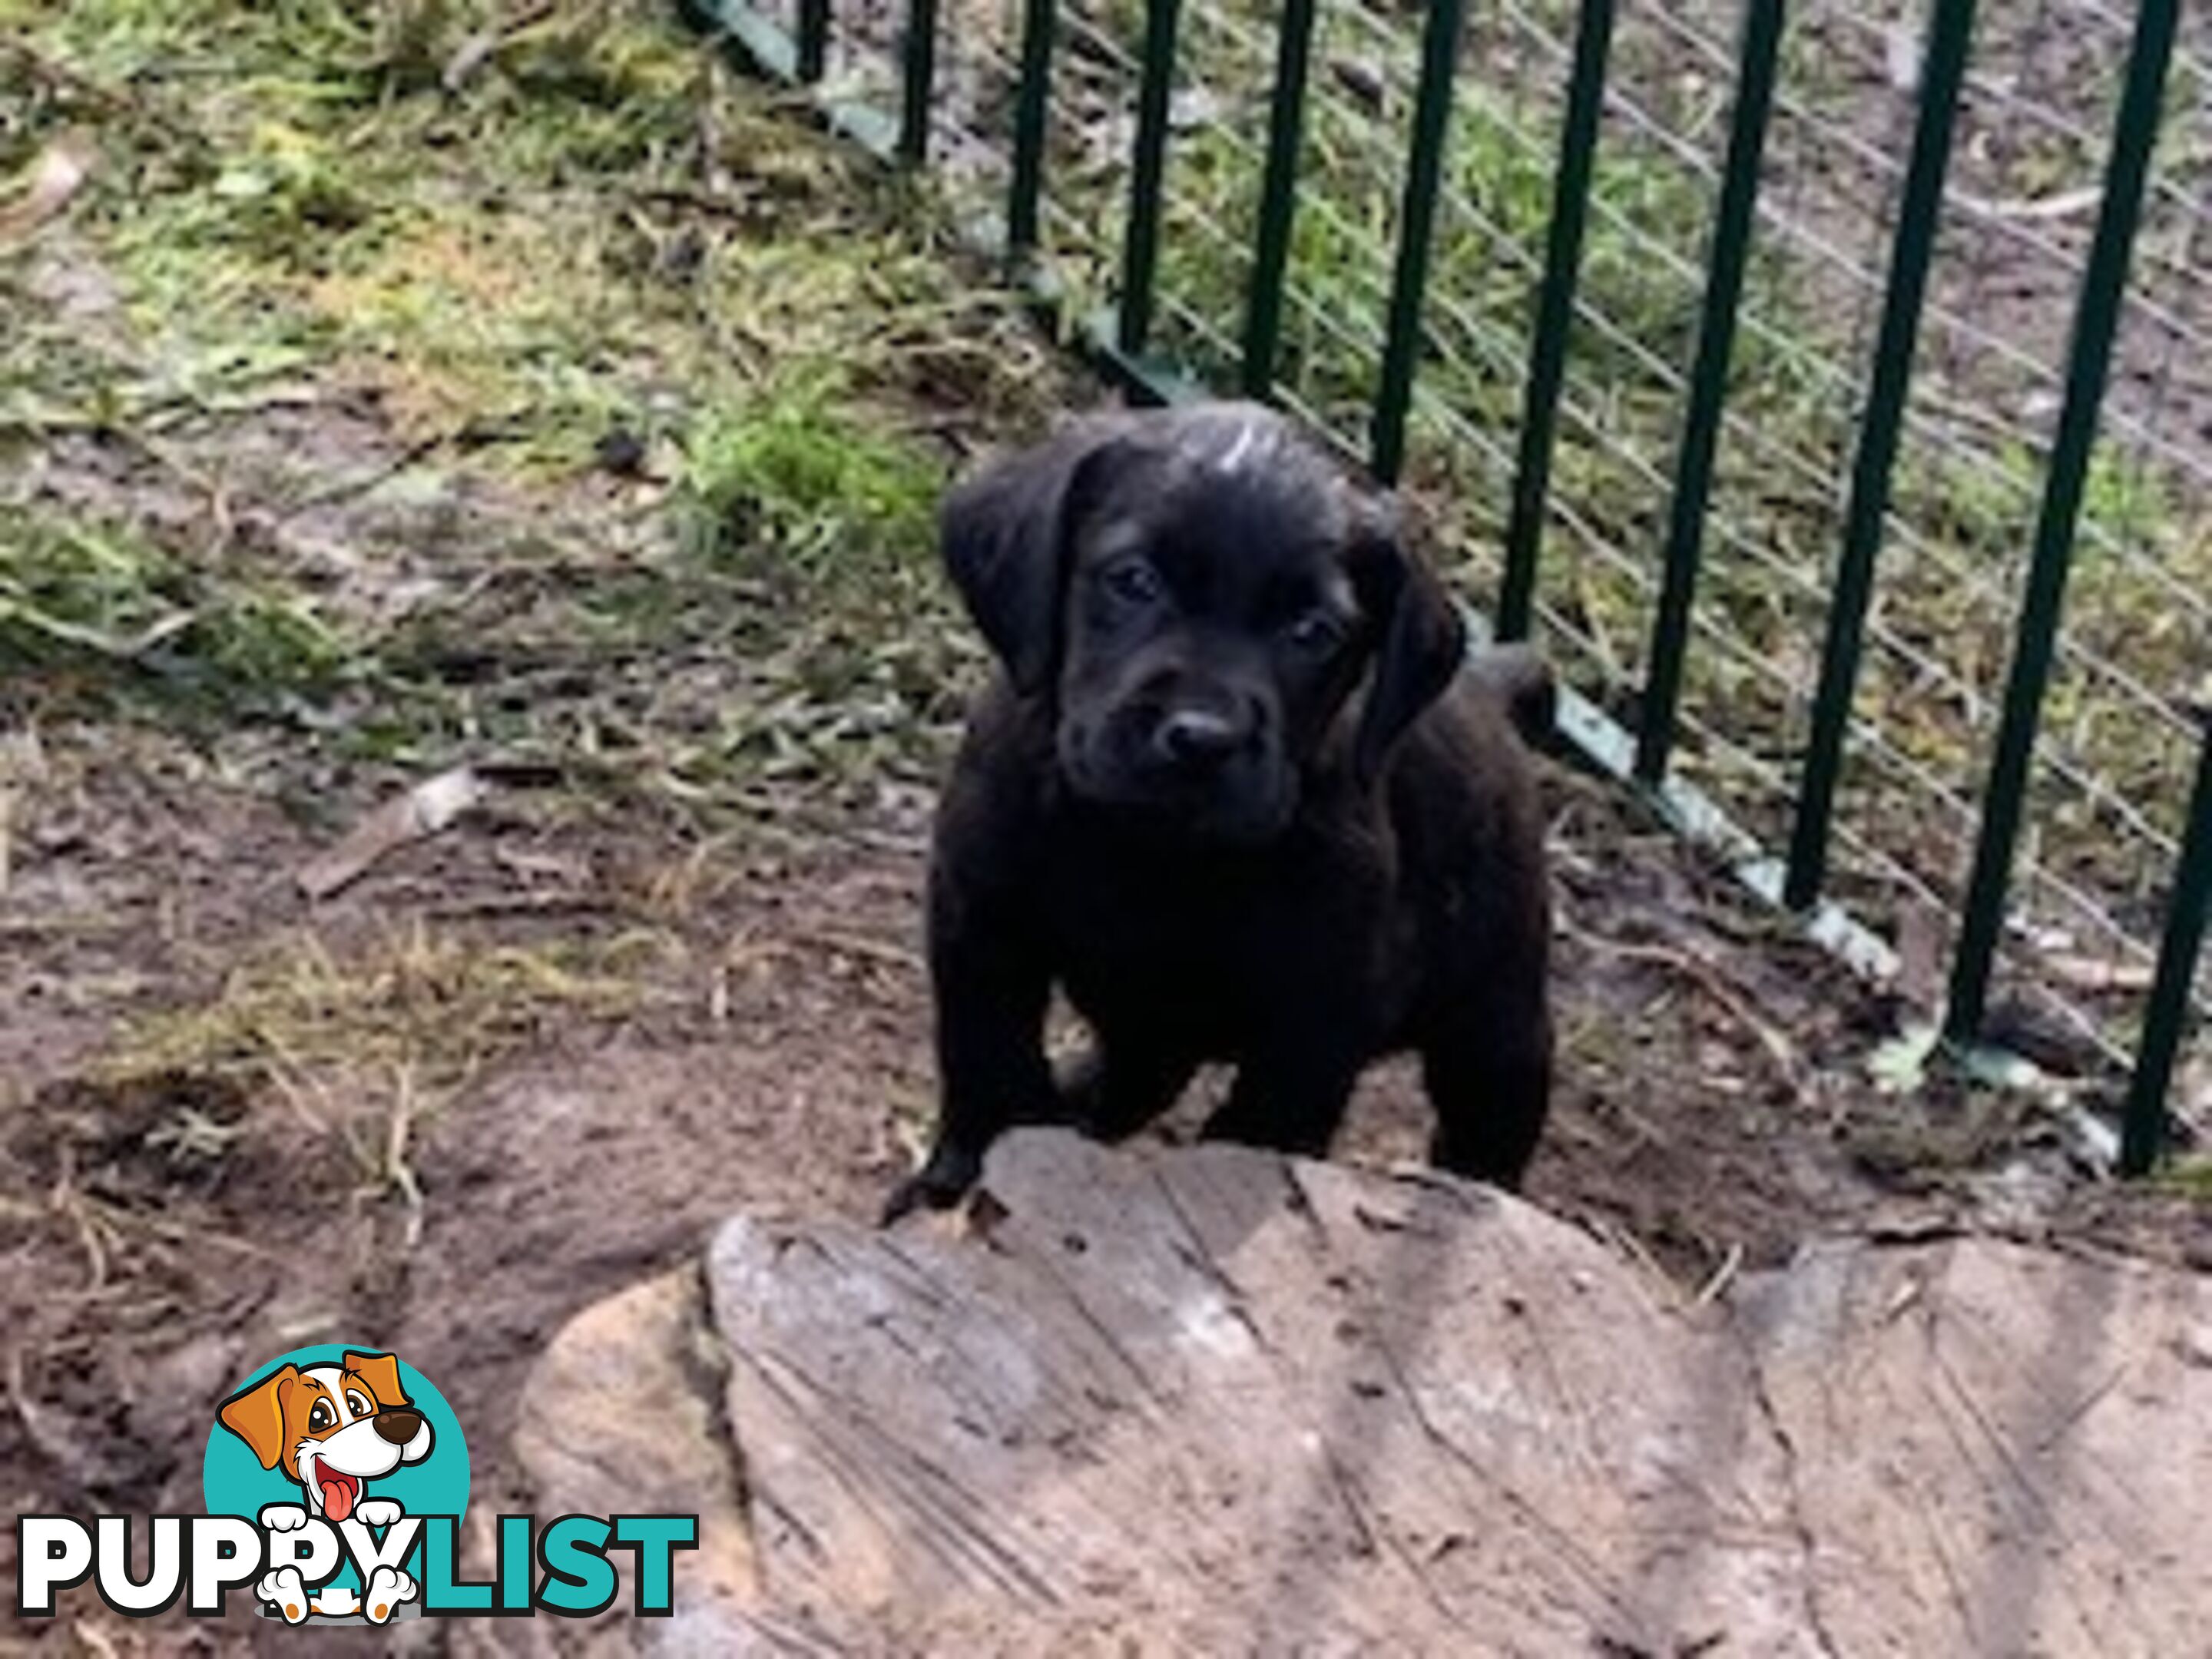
(381, 1372)
(256, 1415)
(1420, 638)
(1003, 535)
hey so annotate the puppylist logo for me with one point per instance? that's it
(335, 1481)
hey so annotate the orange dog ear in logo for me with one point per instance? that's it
(257, 1415)
(381, 1372)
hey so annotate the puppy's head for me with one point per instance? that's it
(1200, 593)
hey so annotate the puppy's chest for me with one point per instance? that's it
(1125, 922)
(1212, 948)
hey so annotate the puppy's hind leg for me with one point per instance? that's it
(1489, 1082)
(1113, 1089)
(1291, 1101)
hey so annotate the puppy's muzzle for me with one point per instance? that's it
(1196, 743)
(1206, 762)
(396, 1425)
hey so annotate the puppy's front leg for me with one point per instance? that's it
(990, 986)
(283, 1590)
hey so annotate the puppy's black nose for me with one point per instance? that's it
(398, 1427)
(1197, 739)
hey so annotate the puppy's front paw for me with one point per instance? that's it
(376, 1511)
(282, 1517)
(387, 1588)
(282, 1589)
(939, 1184)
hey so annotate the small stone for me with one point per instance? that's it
(621, 452)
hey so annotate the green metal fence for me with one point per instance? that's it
(1783, 367)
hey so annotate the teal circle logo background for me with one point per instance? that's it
(233, 1481)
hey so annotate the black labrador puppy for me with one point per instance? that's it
(1233, 795)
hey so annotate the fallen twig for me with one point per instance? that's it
(58, 175)
(876, 951)
(1723, 1276)
(398, 1171)
(487, 44)
(429, 807)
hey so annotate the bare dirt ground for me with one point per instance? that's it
(538, 1055)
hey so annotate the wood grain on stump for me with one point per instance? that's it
(1214, 1400)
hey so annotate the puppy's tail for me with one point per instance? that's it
(1519, 678)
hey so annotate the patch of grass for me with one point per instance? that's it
(281, 188)
(793, 480)
(2190, 1177)
(594, 232)
(833, 520)
(432, 1005)
(107, 608)
(365, 1044)
(793, 630)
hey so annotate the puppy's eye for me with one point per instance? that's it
(321, 1416)
(358, 1403)
(1131, 580)
(1317, 633)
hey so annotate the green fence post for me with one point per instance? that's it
(1140, 244)
(2143, 1126)
(813, 39)
(1701, 421)
(1950, 28)
(1032, 98)
(1416, 227)
(1555, 317)
(920, 77)
(2104, 288)
(1263, 312)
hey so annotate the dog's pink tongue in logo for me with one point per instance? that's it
(337, 1494)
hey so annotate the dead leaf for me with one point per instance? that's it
(1901, 58)
(430, 806)
(58, 174)
(1900, 1065)
(2086, 973)
(983, 1214)
(1363, 81)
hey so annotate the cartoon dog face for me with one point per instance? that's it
(332, 1428)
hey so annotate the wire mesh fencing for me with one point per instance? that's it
(1830, 388)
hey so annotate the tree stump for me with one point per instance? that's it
(1216, 1400)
